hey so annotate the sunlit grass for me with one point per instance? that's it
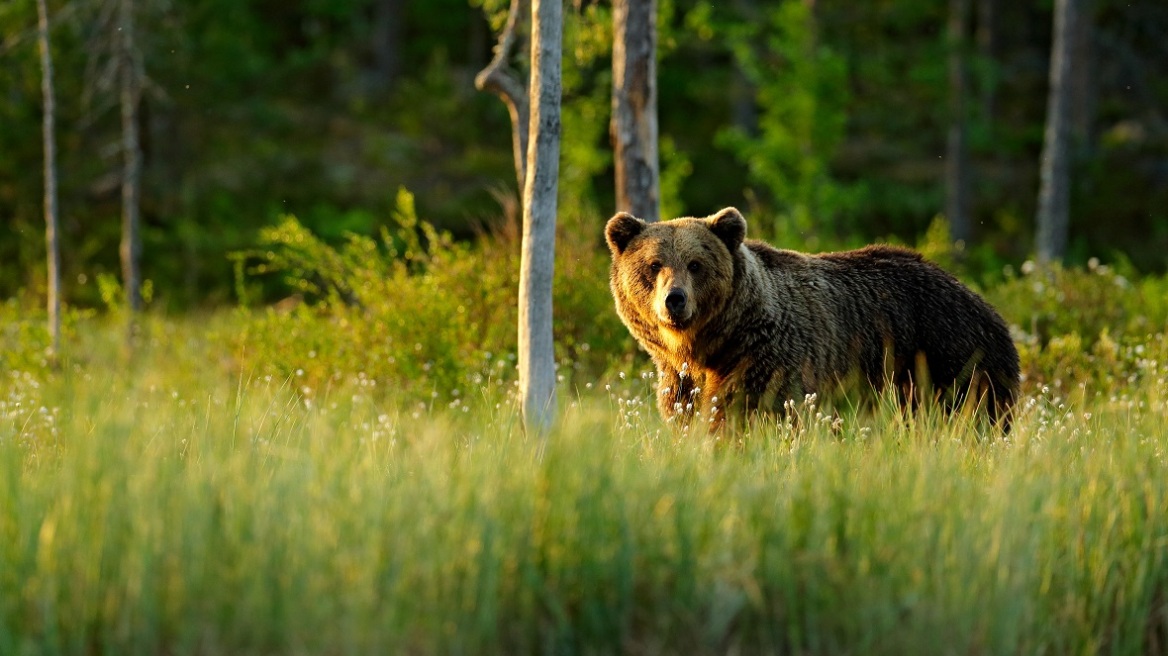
(164, 506)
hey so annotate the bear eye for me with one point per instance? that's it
(694, 266)
(655, 268)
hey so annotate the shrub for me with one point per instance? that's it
(419, 312)
(1090, 325)
(24, 335)
(1052, 301)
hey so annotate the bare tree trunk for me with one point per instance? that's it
(52, 247)
(537, 376)
(1054, 190)
(130, 83)
(957, 172)
(634, 108)
(498, 78)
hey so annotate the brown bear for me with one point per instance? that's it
(731, 322)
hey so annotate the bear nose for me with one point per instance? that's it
(675, 301)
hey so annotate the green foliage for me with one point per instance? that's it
(802, 96)
(164, 505)
(978, 263)
(676, 169)
(1074, 327)
(213, 492)
(585, 151)
(832, 111)
(1053, 301)
(585, 115)
(1090, 326)
(937, 245)
(495, 11)
(417, 311)
(24, 338)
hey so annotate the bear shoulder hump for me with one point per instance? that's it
(890, 252)
(774, 258)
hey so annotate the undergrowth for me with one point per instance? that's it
(346, 473)
(418, 312)
(155, 505)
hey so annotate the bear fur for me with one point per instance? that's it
(731, 322)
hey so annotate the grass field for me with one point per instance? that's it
(158, 505)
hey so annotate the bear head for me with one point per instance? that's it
(674, 275)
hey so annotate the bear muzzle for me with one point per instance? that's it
(676, 311)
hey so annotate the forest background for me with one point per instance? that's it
(825, 121)
(309, 440)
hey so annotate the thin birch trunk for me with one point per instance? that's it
(130, 94)
(52, 246)
(537, 376)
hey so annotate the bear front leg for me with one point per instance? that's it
(675, 394)
(713, 399)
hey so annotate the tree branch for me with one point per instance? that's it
(498, 78)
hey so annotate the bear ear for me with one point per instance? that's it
(621, 229)
(729, 226)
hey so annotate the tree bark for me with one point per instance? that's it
(52, 246)
(129, 74)
(957, 172)
(1054, 190)
(498, 78)
(634, 108)
(537, 376)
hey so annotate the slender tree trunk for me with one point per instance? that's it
(537, 376)
(957, 172)
(1054, 190)
(634, 108)
(498, 78)
(52, 247)
(130, 95)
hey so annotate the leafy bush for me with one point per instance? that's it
(1052, 301)
(24, 335)
(417, 311)
(1083, 325)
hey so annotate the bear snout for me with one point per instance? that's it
(677, 311)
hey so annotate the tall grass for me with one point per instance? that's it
(161, 507)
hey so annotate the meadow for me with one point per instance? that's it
(325, 479)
